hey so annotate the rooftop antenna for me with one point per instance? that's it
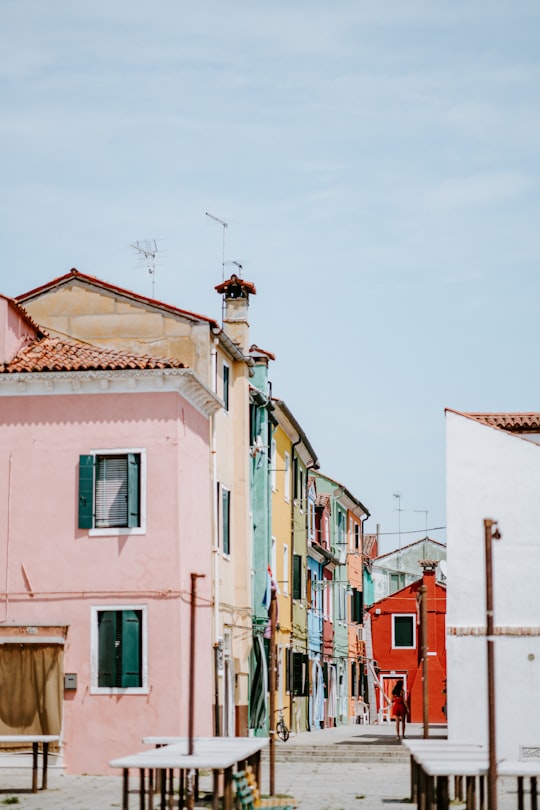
(148, 251)
(425, 511)
(397, 495)
(224, 226)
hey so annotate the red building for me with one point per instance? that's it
(396, 637)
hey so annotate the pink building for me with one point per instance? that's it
(106, 509)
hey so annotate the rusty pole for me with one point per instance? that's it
(191, 707)
(491, 533)
(424, 650)
(272, 689)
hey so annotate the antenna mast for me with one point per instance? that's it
(224, 226)
(148, 251)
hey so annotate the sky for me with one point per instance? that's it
(376, 164)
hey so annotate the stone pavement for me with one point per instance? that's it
(319, 782)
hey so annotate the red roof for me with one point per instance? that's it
(512, 422)
(53, 354)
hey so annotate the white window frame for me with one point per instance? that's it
(226, 387)
(286, 564)
(411, 616)
(94, 652)
(109, 531)
(287, 477)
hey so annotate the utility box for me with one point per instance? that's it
(70, 680)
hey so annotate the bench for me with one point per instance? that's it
(246, 796)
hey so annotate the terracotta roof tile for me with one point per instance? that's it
(512, 422)
(54, 354)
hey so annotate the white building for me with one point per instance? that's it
(493, 471)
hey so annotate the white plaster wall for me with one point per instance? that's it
(491, 474)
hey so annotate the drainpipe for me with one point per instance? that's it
(215, 545)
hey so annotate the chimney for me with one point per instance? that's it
(236, 294)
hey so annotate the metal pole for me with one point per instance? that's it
(216, 691)
(272, 688)
(191, 708)
(424, 651)
(490, 533)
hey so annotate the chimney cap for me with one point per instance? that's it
(235, 287)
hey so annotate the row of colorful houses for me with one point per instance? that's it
(143, 451)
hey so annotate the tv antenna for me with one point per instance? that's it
(224, 226)
(147, 252)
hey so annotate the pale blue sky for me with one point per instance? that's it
(376, 162)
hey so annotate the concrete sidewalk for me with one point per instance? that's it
(314, 785)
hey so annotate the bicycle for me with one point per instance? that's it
(281, 728)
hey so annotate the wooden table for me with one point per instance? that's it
(434, 761)
(36, 740)
(217, 754)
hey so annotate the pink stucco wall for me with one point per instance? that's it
(69, 572)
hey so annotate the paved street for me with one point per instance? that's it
(375, 781)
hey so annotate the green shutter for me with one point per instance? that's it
(106, 648)
(134, 488)
(226, 518)
(86, 492)
(131, 648)
(297, 576)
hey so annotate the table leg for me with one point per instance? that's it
(421, 802)
(141, 788)
(227, 789)
(125, 789)
(534, 794)
(163, 789)
(521, 805)
(215, 790)
(482, 781)
(34, 767)
(414, 779)
(44, 776)
(442, 793)
(470, 801)
(430, 792)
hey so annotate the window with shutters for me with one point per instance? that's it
(297, 577)
(225, 520)
(119, 649)
(112, 492)
(404, 631)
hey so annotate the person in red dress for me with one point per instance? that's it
(399, 707)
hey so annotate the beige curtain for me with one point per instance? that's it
(31, 688)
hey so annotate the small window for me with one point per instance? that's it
(404, 631)
(119, 649)
(273, 462)
(226, 386)
(357, 537)
(226, 520)
(287, 483)
(285, 570)
(297, 577)
(111, 491)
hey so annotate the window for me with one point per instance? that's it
(357, 537)
(111, 491)
(300, 669)
(404, 631)
(119, 649)
(273, 462)
(357, 606)
(297, 577)
(287, 484)
(226, 386)
(226, 520)
(285, 570)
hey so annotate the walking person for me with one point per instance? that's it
(399, 707)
